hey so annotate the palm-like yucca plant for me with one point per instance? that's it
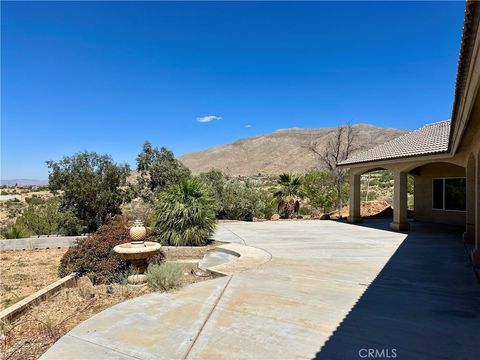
(287, 194)
(184, 214)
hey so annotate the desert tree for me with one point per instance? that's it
(158, 168)
(340, 145)
(89, 185)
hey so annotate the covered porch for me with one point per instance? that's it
(446, 187)
(463, 212)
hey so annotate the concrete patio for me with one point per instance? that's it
(329, 290)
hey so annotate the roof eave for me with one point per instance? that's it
(466, 86)
(396, 160)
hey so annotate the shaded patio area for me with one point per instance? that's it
(424, 304)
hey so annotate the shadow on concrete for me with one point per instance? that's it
(424, 304)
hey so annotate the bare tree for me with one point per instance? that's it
(340, 145)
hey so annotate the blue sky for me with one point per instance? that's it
(106, 76)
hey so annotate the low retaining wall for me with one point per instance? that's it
(247, 257)
(16, 309)
(51, 242)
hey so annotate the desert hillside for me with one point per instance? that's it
(281, 151)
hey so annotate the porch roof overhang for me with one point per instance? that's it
(429, 141)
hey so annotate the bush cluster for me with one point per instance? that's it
(46, 219)
(34, 200)
(165, 276)
(319, 188)
(238, 199)
(94, 257)
(43, 218)
(15, 231)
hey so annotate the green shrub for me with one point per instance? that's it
(268, 204)
(15, 231)
(215, 182)
(319, 188)
(184, 214)
(35, 200)
(243, 200)
(42, 219)
(47, 219)
(69, 224)
(371, 196)
(305, 210)
(166, 276)
(238, 199)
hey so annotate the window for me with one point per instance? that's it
(449, 194)
(438, 193)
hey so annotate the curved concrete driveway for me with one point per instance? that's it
(323, 294)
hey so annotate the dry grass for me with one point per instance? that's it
(37, 329)
(24, 272)
(30, 335)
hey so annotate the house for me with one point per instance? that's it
(444, 157)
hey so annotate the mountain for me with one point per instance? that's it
(23, 182)
(284, 150)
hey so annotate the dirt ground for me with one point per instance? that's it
(368, 208)
(30, 335)
(23, 272)
(188, 252)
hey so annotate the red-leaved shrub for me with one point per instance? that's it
(94, 255)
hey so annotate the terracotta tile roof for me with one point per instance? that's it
(471, 23)
(430, 139)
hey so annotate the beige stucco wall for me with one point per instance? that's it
(423, 194)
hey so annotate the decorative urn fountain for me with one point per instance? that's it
(137, 252)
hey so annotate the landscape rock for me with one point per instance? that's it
(275, 217)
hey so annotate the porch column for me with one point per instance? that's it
(476, 251)
(469, 234)
(354, 199)
(400, 206)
